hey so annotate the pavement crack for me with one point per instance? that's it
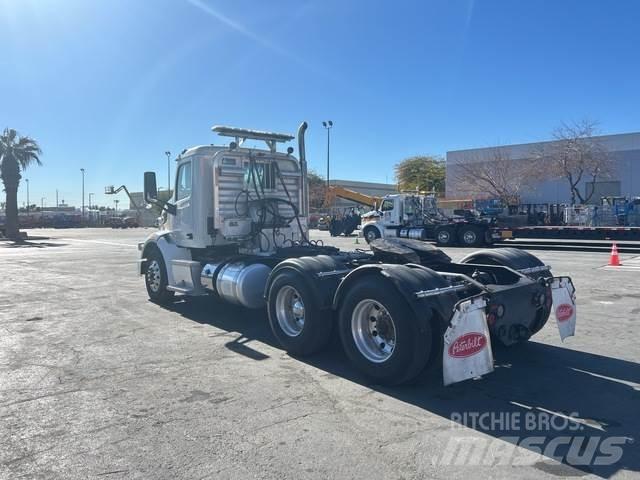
(285, 420)
(39, 397)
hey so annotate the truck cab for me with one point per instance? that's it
(221, 194)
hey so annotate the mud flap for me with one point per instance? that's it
(564, 306)
(467, 346)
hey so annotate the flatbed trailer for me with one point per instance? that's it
(568, 232)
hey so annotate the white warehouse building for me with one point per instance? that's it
(623, 149)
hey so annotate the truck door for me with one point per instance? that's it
(183, 221)
(388, 210)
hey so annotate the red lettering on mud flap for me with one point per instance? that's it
(467, 345)
(564, 312)
(467, 350)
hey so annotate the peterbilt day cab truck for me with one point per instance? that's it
(236, 228)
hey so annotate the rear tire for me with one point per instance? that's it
(517, 260)
(470, 236)
(300, 326)
(509, 257)
(380, 333)
(445, 236)
(155, 277)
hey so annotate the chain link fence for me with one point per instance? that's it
(600, 216)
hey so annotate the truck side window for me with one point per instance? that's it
(387, 205)
(183, 182)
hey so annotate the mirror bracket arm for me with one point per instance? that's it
(166, 206)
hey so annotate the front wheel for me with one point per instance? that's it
(155, 278)
(300, 326)
(381, 334)
(370, 234)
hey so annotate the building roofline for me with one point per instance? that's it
(612, 136)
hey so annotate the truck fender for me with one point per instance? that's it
(169, 250)
(406, 280)
(322, 274)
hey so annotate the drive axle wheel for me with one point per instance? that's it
(373, 330)
(445, 236)
(295, 318)
(381, 334)
(290, 311)
(471, 236)
(527, 264)
(155, 277)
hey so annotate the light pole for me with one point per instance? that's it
(90, 200)
(27, 180)
(57, 203)
(168, 154)
(328, 124)
(42, 203)
(116, 202)
(82, 170)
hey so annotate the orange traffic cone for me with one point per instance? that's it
(614, 260)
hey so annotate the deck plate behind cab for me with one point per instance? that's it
(406, 250)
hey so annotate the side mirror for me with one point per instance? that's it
(150, 188)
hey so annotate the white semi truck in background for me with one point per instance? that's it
(408, 215)
(236, 228)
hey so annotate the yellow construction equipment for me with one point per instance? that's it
(335, 191)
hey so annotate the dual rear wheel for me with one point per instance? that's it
(380, 333)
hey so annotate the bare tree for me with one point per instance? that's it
(317, 189)
(576, 155)
(496, 174)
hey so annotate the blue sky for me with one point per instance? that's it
(110, 85)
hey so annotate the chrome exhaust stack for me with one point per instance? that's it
(304, 187)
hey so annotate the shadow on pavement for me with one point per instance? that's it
(549, 383)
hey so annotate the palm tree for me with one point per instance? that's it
(16, 154)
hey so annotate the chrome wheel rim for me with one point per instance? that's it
(371, 235)
(443, 236)
(290, 311)
(153, 276)
(469, 236)
(373, 331)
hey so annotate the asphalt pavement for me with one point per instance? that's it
(98, 382)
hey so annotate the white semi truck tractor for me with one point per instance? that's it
(236, 228)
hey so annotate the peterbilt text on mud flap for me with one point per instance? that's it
(236, 228)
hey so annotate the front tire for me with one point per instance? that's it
(300, 326)
(155, 277)
(380, 333)
(370, 234)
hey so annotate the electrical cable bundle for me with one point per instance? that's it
(268, 211)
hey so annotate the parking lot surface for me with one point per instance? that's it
(98, 382)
